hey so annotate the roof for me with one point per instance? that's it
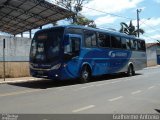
(18, 16)
(148, 45)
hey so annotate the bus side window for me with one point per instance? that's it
(143, 45)
(128, 44)
(73, 48)
(75, 45)
(90, 39)
(123, 41)
(135, 45)
(139, 45)
(115, 42)
(103, 40)
(132, 44)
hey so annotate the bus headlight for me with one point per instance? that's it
(56, 67)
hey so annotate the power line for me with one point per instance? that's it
(150, 26)
(110, 13)
(150, 37)
(121, 17)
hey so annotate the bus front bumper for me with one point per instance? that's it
(50, 74)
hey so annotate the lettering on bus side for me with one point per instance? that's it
(117, 54)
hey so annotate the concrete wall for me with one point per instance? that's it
(15, 69)
(17, 49)
(16, 56)
(151, 56)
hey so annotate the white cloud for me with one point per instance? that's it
(157, 37)
(104, 20)
(149, 25)
(150, 22)
(151, 31)
(109, 6)
(148, 39)
(151, 38)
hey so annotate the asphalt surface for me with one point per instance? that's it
(105, 94)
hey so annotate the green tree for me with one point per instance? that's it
(81, 20)
(76, 6)
(130, 29)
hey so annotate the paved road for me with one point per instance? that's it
(107, 94)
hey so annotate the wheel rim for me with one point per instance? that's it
(85, 74)
(130, 72)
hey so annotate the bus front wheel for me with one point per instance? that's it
(130, 71)
(85, 74)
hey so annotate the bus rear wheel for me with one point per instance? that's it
(130, 71)
(85, 74)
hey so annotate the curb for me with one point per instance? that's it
(20, 81)
(152, 67)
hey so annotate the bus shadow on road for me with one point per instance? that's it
(157, 110)
(112, 77)
(44, 83)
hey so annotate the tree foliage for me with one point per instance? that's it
(130, 29)
(76, 6)
(85, 22)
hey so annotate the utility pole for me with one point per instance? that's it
(138, 11)
(4, 71)
(30, 33)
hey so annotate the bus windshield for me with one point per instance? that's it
(45, 46)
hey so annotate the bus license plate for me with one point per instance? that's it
(40, 72)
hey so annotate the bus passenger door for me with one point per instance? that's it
(71, 55)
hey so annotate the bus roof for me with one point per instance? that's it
(116, 33)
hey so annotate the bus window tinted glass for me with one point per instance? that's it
(103, 40)
(132, 44)
(90, 38)
(141, 45)
(128, 44)
(45, 46)
(135, 43)
(74, 31)
(123, 41)
(75, 44)
(115, 42)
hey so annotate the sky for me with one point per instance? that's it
(108, 14)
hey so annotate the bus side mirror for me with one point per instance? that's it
(66, 40)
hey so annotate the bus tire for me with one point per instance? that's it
(130, 71)
(85, 74)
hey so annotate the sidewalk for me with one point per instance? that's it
(30, 79)
(152, 67)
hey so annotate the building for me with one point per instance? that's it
(153, 54)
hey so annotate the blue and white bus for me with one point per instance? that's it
(67, 52)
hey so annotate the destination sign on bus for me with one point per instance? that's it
(42, 37)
